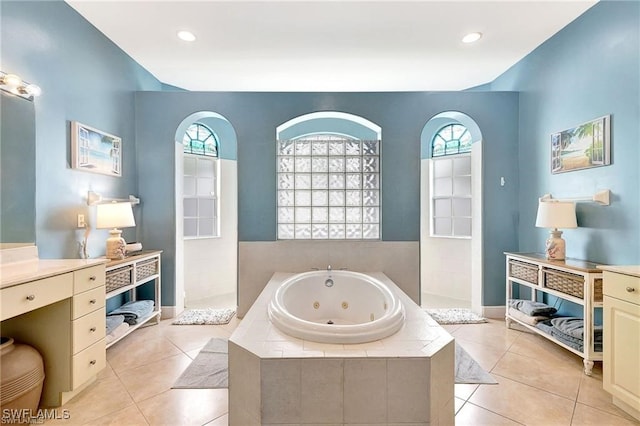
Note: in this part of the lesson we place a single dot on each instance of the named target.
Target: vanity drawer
(26, 297)
(88, 363)
(88, 329)
(88, 301)
(623, 287)
(88, 278)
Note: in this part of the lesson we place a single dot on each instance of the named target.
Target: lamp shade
(114, 215)
(556, 214)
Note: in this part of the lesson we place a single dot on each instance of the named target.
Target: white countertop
(15, 273)
(633, 270)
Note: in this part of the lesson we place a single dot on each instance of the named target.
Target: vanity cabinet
(621, 367)
(58, 307)
(574, 280)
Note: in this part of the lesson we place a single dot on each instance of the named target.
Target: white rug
(207, 316)
(455, 316)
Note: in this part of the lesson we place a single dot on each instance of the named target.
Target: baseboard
(170, 312)
(496, 312)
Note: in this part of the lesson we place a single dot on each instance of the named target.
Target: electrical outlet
(81, 222)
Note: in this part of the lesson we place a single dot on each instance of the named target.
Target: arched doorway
(450, 194)
(206, 212)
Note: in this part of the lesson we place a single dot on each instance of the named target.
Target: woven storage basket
(523, 271)
(564, 282)
(146, 269)
(597, 290)
(119, 278)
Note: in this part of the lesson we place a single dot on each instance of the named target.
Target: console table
(575, 280)
(126, 275)
(58, 307)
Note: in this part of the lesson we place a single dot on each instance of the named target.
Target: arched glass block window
(200, 140)
(450, 140)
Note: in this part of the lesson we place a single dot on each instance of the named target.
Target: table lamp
(113, 216)
(555, 214)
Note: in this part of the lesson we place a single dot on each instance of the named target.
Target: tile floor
(540, 384)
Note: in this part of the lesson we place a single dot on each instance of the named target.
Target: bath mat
(209, 369)
(207, 316)
(468, 371)
(455, 316)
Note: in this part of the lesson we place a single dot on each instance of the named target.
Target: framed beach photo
(582, 147)
(95, 151)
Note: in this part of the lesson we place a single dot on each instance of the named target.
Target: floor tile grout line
(496, 413)
(534, 387)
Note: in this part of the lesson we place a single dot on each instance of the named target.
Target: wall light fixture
(15, 85)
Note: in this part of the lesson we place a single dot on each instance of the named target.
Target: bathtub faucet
(329, 268)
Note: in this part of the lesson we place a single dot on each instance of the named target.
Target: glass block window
(451, 196)
(200, 196)
(450, 140)
(328, 188)
(199, 139)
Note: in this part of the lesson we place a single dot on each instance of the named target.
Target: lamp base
(555, 246)
(115, 245)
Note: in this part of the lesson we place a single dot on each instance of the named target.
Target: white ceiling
(326, 45)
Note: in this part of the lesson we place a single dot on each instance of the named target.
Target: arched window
(200, 140)
(450, 140)
(451, 182)
(328, 177)
(200, 189)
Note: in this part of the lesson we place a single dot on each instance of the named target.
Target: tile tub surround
(278, 379)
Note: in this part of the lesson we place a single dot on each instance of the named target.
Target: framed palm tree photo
(582, 147)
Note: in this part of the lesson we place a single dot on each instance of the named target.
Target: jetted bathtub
(336, 307)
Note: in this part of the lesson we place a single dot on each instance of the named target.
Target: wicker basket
(119, 278)
(523, 271)
(564, 282)
(146, 269)
(597, 290)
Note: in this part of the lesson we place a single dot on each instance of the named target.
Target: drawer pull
(92, 362)
(92, 278)
(31, 297)
(631, 289)
(92, 329)
(92, 301)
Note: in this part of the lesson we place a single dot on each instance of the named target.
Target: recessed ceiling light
(186, 36)
(471, 37)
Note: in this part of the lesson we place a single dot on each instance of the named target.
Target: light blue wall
(589, 69)
(255, 117)
(86, 78)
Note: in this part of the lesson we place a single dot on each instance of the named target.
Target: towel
(134, 310)
(527, 319)
(569, 340)
(574, 327)
(113, 321)
(115, 334)
(532, 308)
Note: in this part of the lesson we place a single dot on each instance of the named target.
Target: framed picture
(95, 151)
(582, 147)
